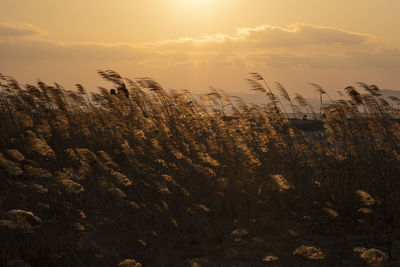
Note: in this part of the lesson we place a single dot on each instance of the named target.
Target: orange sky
(194, 44)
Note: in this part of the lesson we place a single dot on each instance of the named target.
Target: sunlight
(195, 3)
(198, 15)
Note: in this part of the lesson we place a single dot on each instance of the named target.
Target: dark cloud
(12, 30)
(301, 35)
(45, 50)
(378, 59)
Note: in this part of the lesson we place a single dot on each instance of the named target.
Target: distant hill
(388, 92)
(253, 98)
(257, 98)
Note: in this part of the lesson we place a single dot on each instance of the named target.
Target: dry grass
(166, 178)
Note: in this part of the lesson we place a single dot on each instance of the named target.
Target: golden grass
(161, 178)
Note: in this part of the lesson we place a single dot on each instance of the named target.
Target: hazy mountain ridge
(259, 99)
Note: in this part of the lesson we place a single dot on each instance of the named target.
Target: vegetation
(170, 179)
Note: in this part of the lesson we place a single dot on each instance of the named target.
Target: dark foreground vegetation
(169, 179)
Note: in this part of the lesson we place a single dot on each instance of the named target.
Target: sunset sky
(194, 44)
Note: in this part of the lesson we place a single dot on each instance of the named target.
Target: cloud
(300, 46)
(299, 35)
(10, 30)
(383, 58)
(272, 37)
(48, 50)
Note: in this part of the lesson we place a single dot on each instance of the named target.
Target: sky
(198, 44)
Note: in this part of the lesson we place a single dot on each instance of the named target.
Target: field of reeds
(146, 177)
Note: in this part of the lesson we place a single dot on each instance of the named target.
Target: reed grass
(157, 178)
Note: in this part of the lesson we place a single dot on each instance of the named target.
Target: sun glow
(198, 12)
(196, 3)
